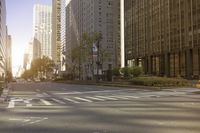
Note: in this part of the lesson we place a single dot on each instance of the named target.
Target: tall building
(28, 56)
(3, 38)
(36, 48)
(42, 24)
(56, 31)
(9, 54)
(163, 36)
(94, 16)
(63, 35)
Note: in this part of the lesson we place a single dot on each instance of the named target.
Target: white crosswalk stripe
(70, 100)
(45, 102)
(11, 104)
(94, 98)
(28, 104)
(131, 97)
(120, 97)
(58, 101)
(108, 98)
(83, 99)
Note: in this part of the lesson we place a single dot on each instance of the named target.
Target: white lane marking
(28, 104)
(15, 119)
(131, 97)
(120, 97)
(11, 104)
(83, 99)
(58, 101)
(45, 102)
(71, 100)
(94, 98)
(108, 98)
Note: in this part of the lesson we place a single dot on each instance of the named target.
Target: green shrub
(126, 72)
(159, 82)
(136, 71)
(116, 72)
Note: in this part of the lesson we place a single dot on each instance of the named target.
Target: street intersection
(60, 108)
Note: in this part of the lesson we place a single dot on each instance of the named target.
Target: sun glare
(17, 58)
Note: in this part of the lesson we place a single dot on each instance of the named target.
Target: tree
(28, 74)
(40, 67)
(88, 44)
(76, 61)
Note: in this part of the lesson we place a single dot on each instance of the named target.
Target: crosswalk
(50, 101)
(45, 99)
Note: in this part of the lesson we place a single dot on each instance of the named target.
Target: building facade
(9, 54)
(3, 38)
(63, 35)
(28, 56)
(56, 31)
(36, 48)
(163, 36)
(42, 28)
(94, 16)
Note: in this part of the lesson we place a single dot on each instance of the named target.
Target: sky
(19, 22)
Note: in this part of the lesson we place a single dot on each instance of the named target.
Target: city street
(60, 108)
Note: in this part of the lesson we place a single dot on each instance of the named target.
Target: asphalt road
(60, 108)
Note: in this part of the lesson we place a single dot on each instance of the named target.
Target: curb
(4, 94)
(120, 85)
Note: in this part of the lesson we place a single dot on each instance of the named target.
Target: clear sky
(20, 21)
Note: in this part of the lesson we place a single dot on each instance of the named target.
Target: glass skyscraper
(42, 28)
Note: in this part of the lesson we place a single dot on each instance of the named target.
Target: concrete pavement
(4, 94)
(61, 108)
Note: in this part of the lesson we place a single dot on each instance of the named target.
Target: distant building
(36, 48)
(163, 36)
(25, 64)
(28, 56)
(96, 16)
(3, 38)
(42, 28)
(56, 31)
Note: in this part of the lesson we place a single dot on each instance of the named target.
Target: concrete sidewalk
(4, 94)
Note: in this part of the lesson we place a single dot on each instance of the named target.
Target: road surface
(60, 108)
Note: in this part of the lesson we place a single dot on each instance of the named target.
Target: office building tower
(3, 38)
(9, 54)
(63, 35)
(94, 16)
(163, 36)
(56, 31)
(42, 28)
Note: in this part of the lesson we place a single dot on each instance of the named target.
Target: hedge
(160, 81)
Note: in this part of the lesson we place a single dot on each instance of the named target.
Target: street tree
(40, 67)
(91, 44)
